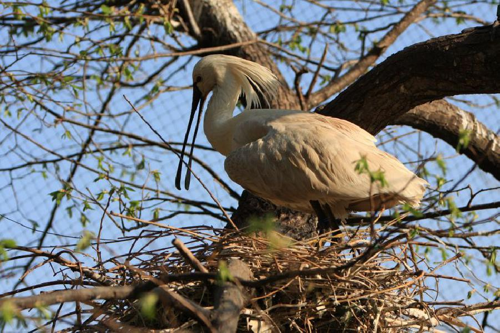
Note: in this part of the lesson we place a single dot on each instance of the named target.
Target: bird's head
(257, 82)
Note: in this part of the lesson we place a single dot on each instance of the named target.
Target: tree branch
(447, 122)
(62, 296)
(230, 298)
(185, 305)
(466, 63)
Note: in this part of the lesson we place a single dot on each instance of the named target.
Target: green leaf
(133, 208)
(84, 220)
(378, 176)
(444, 254)
(223, 275)
(44, 311)
(18, 13)
(8, 243)
(156, 213)
(338, 28)
(87, 206)
(440, 181)
(325, 79)
(8, 312)
(156, 175)
(147, 303)
(489, 269)
(169, 29)
(141, 164)
(126, 23)
(57, 196)
(66, 135)
(361, 165)
(127, 72)
(106, 10)
(264, 224)
(463, 139)
(100, 196)
(285, 8)
(426, 253)
(85, 241)
(441, 163)
(69, 210)
(452, 207)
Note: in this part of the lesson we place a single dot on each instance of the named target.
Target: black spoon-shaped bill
(197, 97)
(187, 180)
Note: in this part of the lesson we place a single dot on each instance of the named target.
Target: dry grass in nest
(351, 286)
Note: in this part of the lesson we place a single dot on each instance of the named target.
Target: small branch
(469, 309)
(185, 305)
(298, 89)
(362, 66)
(430, 215)
(74, 266)
(196, 235)
(316, 74)
(188, 256)
(195, 29)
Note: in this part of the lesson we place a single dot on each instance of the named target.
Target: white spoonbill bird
(300, 160)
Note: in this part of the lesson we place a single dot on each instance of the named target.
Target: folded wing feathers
(259, 83)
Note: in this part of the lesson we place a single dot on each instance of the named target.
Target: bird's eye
(197, 79)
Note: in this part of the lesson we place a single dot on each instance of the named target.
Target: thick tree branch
(448, 122)
(369, 59)
(63, 296)
(465, 63)
(231, 298)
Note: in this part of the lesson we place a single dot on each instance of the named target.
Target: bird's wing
(353, 131)
(302, 158)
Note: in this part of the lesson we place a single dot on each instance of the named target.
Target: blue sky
(25, 192)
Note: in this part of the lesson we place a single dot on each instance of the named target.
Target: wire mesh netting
(79, 166)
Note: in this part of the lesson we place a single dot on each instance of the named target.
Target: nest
(347, 285)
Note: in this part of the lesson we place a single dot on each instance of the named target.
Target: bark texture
(230, 298)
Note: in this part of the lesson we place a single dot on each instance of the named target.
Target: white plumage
(293, 158)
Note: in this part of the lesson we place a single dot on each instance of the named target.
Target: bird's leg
(326, 219)
(323, 221)
(334, 223)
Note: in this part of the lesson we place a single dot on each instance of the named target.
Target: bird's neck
(217, 124)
